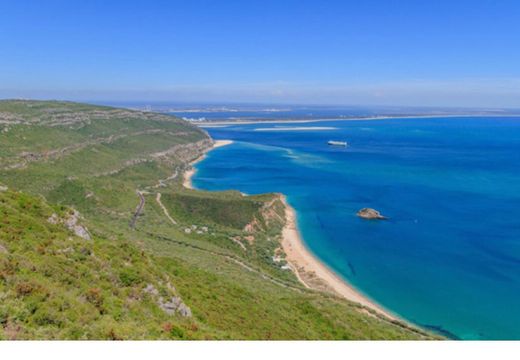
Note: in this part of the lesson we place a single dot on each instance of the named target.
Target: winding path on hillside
(138, 210)
(158, 199)
(229, 257)
(141, 193)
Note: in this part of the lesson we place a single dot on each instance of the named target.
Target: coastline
(301, 259)
(188, 174)
(210, 124)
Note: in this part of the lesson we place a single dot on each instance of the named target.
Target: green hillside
(99, 240)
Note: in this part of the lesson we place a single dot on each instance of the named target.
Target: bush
(176, 332)
(129, 277)
(95, 297)
(24, 288)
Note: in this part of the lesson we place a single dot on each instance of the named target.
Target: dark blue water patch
(449, 253)
(352, 269)
(441, 331)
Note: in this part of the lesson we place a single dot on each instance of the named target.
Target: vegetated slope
(104, 242)
(58, 285)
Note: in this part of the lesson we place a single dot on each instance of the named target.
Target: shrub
(176, 332)
(129, 277)
(95, 297)
(24, 288)
(47, 316)
(167, 327)
(112, 335)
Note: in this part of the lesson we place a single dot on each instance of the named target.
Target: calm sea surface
(449, 256)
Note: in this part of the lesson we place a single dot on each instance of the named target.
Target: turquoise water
(449, 256)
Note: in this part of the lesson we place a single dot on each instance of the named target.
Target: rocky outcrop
(150, 289)
(171, 306)
(71, 222)
(175, 305)
(370, 214)
(268, 214)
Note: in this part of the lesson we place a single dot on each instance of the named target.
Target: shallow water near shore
(447, 259)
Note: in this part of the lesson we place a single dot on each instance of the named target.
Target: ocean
(448, 257)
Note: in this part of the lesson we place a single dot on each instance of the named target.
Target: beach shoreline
(218, 123)
(188, 174)
(299, 257)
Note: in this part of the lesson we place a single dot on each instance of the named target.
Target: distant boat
(337, 143)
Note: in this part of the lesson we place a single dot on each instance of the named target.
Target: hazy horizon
(176, 105)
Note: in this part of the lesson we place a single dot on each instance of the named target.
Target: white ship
(337, 143)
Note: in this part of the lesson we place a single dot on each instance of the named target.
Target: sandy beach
(189, 173)
(223, 123)
(302, 260)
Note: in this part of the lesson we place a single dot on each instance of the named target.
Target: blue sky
(445, 53)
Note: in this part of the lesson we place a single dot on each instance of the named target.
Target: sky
(407, 52)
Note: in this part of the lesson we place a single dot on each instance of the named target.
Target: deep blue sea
(447, 259)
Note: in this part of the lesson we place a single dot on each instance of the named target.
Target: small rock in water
(371, 214)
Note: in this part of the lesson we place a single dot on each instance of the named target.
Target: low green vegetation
(195, 265)
(56, 285)
(228, 209)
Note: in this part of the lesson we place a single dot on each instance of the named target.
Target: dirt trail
(229, 257)
(162, 182)
(158, 199)
(138, 210)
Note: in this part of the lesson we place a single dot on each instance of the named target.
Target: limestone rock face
(175, 305)
(370, 214)
(71, 222)
(150, 289)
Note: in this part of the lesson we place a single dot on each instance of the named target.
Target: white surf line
(297, 128)
(158, 199)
